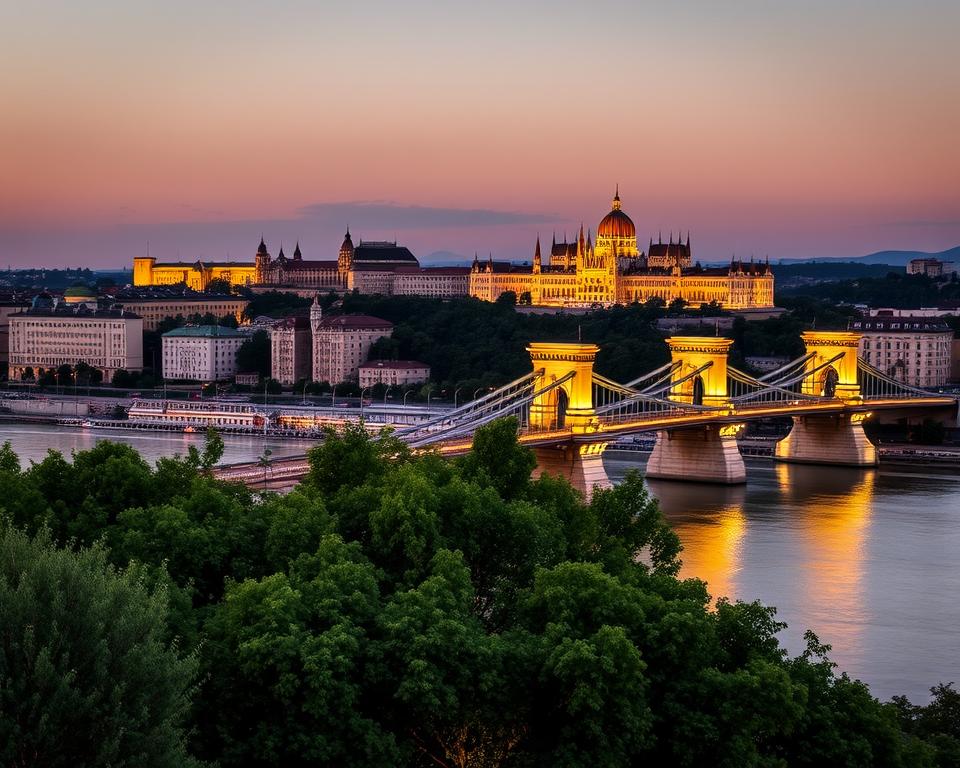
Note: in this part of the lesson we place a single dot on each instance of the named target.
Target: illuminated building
(614, 271)
(197, 275)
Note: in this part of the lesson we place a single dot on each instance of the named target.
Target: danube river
(870, 560)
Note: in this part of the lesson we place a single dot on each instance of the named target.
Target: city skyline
(808, 131)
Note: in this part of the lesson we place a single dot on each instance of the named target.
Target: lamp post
(333, 396)
(361, 401)
(455, 393)
(386, 392)
(305, 383)
(429, 393)
(476, 392)
(405, 396)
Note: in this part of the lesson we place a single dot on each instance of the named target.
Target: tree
(87, 676)
(219, 285)
(254, 354)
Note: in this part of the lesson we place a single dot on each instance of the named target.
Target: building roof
(395, 364)
(616, 224)
(901, 325)
(171, 293)
(354, 322)
(205, 331)
(82, 311)
(80, 291)
(295, 264)
(373, 251)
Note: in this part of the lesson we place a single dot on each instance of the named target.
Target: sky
(186, 129)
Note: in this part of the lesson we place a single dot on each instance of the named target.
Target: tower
(261, 262)
(345, 258)
(316, 313)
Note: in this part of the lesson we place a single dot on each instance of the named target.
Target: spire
(280, 255)
(536, 253)
(262, 248)
(536, 258)
(616, 199)
(660, 237)
(688, 239)
(296, 252)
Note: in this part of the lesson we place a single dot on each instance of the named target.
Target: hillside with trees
(396, 610)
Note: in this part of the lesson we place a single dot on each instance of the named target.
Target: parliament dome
(616, 224)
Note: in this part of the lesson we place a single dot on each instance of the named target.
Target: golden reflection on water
(710, 522)
(822, 511)
(834, 506)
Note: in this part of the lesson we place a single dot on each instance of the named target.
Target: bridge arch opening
(698, 390)
(828, 382)
(562, 402)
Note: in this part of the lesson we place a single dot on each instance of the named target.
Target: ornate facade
(196, 275)
(614, 271)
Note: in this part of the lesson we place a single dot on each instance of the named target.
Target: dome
(42, 300)
(262, 248)
(616, 224)
(79, 294)
(347, 242)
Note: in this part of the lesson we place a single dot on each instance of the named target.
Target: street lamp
(476, 392)
(405, 396)
(455, 393)
(361, 400)
(333, 396)
(429, 392)
(305, 383)
(386, 392)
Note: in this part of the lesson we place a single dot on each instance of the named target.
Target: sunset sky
(788, 129)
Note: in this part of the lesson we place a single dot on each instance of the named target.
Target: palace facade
(615, 271)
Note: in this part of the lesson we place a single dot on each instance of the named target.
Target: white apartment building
(201, 353)
(914, 350)
(290, 350)
(393, 372)
(48, 336)
(342, 343)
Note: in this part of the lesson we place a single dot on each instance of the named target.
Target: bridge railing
(875, 384)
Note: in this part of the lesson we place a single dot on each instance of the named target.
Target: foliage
(254, 354)
(86, 676)
(408, 610)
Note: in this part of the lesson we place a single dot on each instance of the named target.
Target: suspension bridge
(696, 404)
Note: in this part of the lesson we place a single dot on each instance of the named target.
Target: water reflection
(832, 508)
(711, 524)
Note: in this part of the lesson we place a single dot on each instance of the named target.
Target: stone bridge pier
(836, 439)
(707, 454)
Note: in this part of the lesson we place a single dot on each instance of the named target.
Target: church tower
(261, 263)
(345, 259)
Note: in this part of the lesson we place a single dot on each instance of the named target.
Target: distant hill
(446, 259)
(804, 273)
(894, 258)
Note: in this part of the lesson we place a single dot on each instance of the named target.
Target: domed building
(80, 294)
(615, 271)
(616, 232)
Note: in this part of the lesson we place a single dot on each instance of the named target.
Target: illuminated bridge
(696, 405)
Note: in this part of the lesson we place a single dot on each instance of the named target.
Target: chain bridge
(696, 405)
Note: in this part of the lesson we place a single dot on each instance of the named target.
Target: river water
(868, 559)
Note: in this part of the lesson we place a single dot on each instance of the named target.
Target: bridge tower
(837, 439)
(705, 453)
(831, 379)
(567, 407)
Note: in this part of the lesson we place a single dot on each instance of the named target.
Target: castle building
(614, 271)
(196, 275)
(341, 344)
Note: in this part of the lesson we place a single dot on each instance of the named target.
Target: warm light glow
(554, 361)
(693, 352)
(826, 345)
